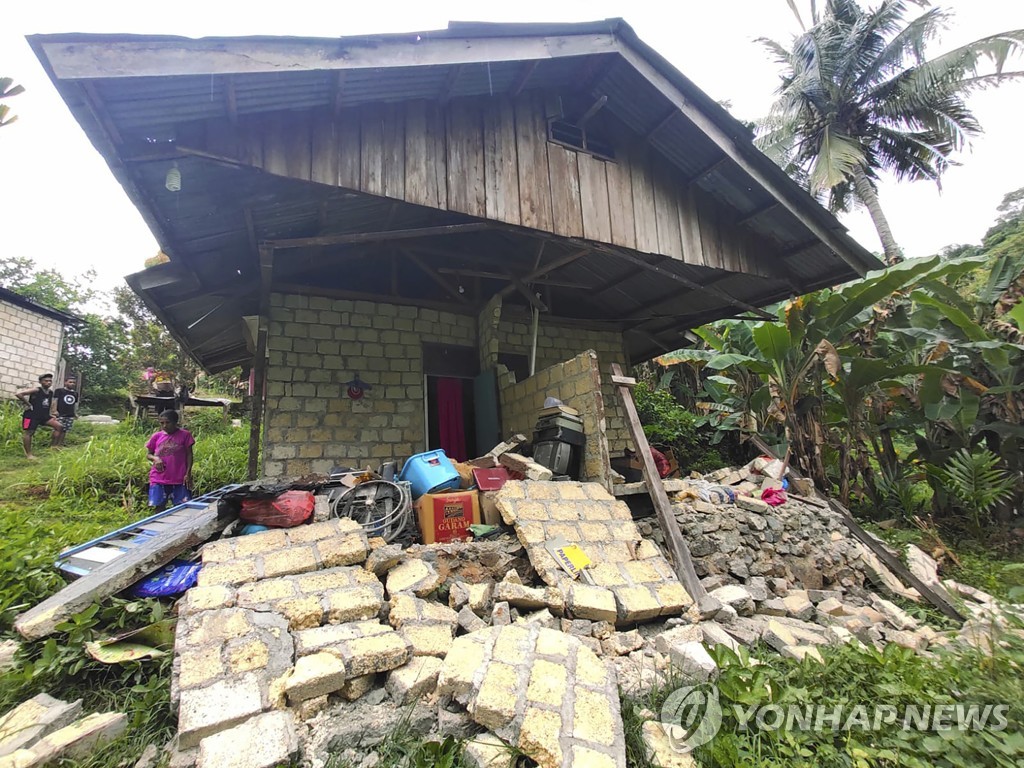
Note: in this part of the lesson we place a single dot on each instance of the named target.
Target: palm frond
(838, 155)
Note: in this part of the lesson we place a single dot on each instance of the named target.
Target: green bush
(667, 424)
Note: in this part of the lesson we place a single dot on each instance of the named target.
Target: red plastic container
(490, 479)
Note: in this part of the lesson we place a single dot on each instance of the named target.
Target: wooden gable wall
(490, 158)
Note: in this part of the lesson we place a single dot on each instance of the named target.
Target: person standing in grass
(39, 400)
(64, 408)
(170, 453)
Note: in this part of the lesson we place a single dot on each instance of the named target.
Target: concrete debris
(662, 749)
(31, 720)
(292, 647)
(75, 740)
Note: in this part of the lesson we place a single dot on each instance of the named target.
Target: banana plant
(8, 89)
(815, 367)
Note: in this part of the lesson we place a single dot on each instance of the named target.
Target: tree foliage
(7, 90)
(860, 96)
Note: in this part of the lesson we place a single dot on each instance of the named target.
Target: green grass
(856, 675)
(96, 484)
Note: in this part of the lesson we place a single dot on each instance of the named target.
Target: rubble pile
(44, 729)
(316, 642)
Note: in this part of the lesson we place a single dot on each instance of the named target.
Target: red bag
(285, 510)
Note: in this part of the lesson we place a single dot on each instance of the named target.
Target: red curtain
(451, 427)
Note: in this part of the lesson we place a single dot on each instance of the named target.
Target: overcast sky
(61, 206)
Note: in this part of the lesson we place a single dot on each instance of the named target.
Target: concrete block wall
(316, 345)
(30, 344)
(555, 344)
(577, 383)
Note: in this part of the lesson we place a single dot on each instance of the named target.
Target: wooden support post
(260, 363)
(891, 561)
(673, 538)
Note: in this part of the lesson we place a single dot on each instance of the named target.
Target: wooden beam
(527, 294)
(379, 298)
(504, 276)
(779, 186)
(672, 113)
(75, 60)
(266, 259)
(617, 281)
(666, 517)
(707, 170)
(731, 300)
(522, 78)
(119, 573)
(375, 237)
(757, 212)
(436, 278)
(548, 268)
(673, 296)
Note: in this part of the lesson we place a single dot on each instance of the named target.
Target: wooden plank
(371, 151)
(274, 143)
(532, 163)
(393, 177)
(709, 235)
(465, 158)
(325, 158)
(349, 149)
(250, 144)
(644, 216)
(444, 285)
(118, 574)
(375, 237)
(666, 517)
(298, 143)
(566, 205)
(418, 176)
(437, 154)
(620, 202)
(689, 229)
(666, 207)
(164, 58)
(597, 220)
(624, 381)
(501, 178)
(889, 558)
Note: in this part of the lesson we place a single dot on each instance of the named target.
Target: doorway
(456, 407)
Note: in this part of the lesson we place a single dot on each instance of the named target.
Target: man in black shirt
(38, 399)
(64, 409)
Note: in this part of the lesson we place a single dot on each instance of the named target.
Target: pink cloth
(773, 496)
(170, 448)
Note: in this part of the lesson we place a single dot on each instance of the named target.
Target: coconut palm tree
(859, 96)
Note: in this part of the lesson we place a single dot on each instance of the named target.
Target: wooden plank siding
(490, 158)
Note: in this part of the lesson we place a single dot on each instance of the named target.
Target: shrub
(667, 424)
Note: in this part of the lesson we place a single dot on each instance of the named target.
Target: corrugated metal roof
(204, 227)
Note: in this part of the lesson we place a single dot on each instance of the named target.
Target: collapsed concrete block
(772, 607)
(315, 675)
(217, 707)
(714, 634)
(264, 741)
(383, 559)
(488, 751)
(501, 615)
(416, 576)
(798, 606)
(663, 751)
(416, 679)
(595, 603)
(469, 621)
(688, 633)
(76, 740)
(735, 596)
(31, 720)
(693, 661)
(753, 505)
(622, 643)
(894, 615)
(820, 595)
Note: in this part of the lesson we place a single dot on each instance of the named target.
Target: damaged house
(411, 239)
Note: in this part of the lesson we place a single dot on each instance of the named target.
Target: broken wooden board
(666, 517)
(120, 573)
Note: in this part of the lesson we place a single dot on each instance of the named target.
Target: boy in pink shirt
(170, 453)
